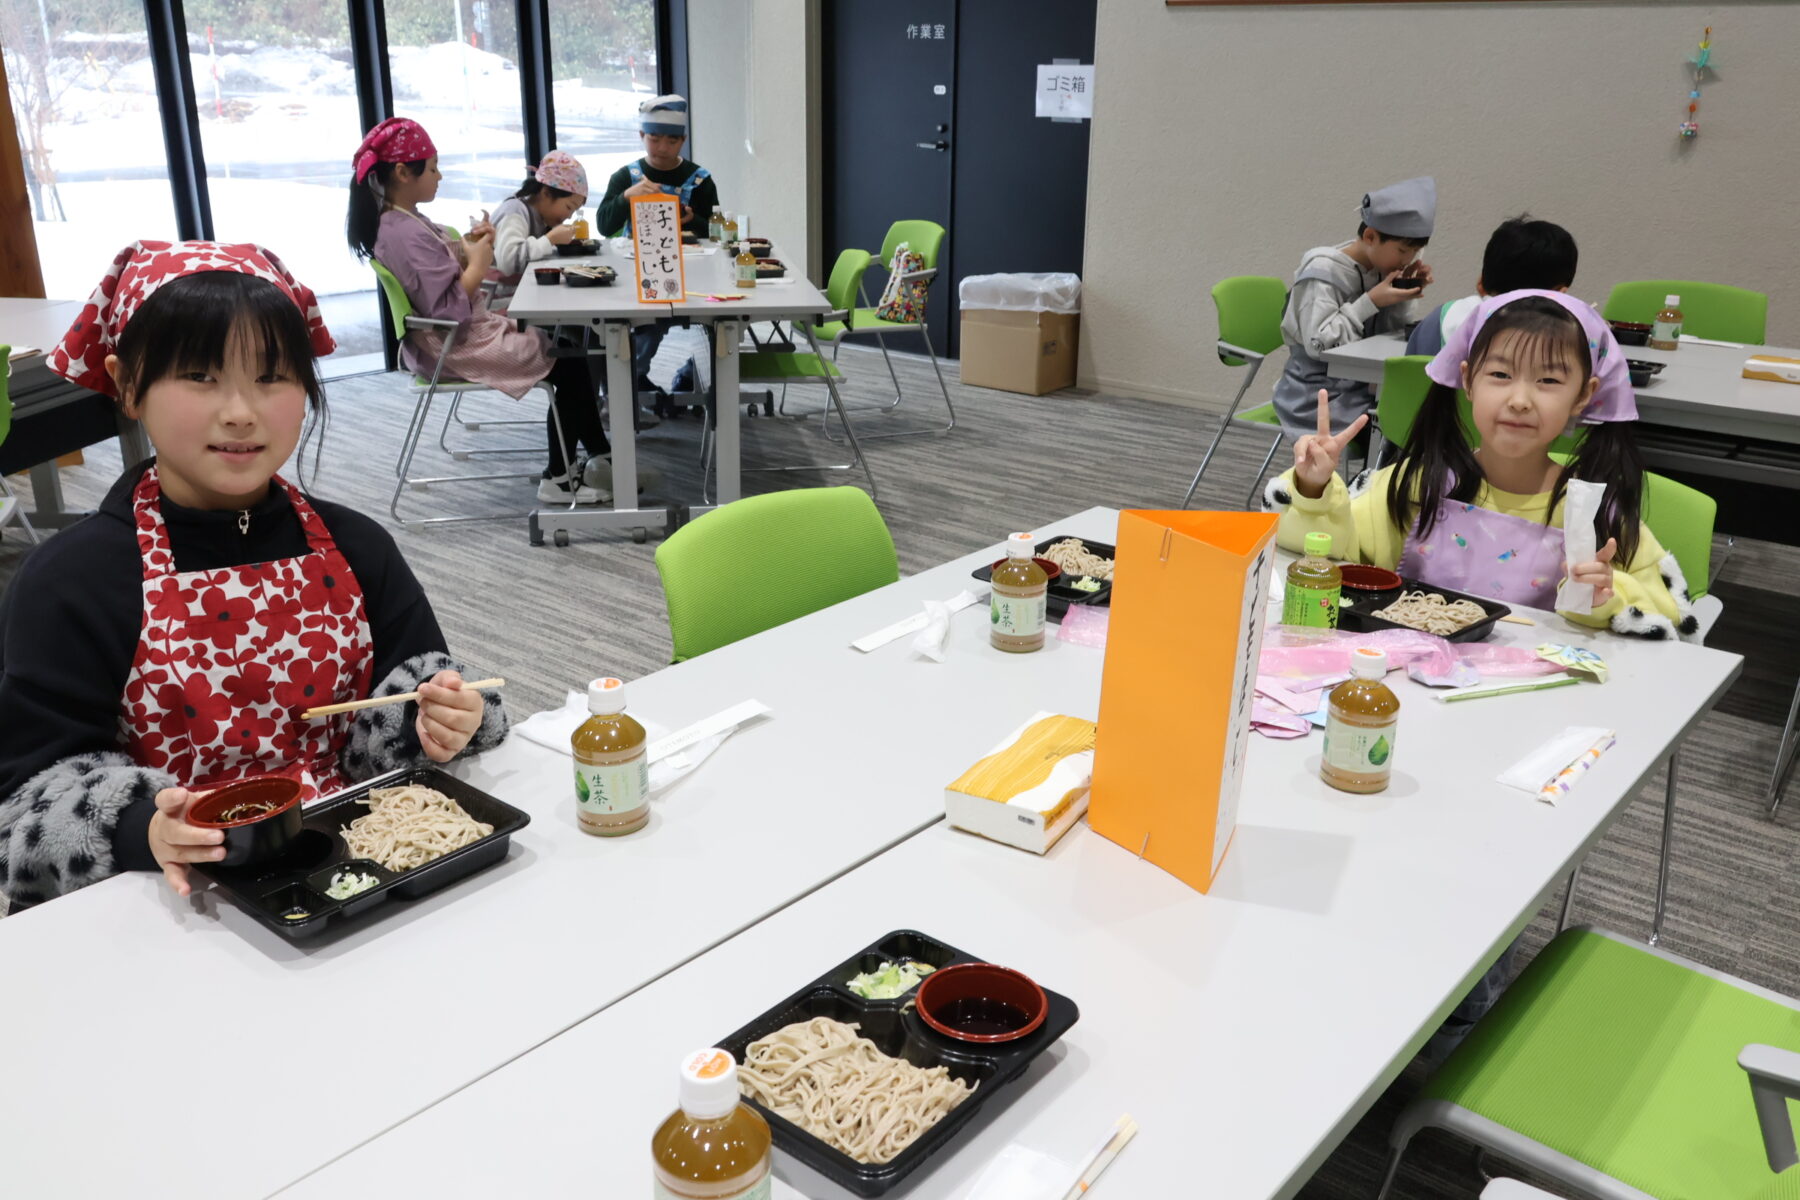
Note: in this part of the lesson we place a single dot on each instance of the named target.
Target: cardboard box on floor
(1188, 601)
(1028, 352)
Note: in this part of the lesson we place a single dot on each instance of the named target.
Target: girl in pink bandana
(172, 640)
(529, 224)
(1487, 519)
(395, 171)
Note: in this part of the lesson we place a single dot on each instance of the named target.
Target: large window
(276, 96)
(281, 100)
(603, 58)
(455, 66)
(84, 100)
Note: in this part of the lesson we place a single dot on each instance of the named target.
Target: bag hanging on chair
(903, 301)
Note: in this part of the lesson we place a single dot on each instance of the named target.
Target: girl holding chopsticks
(174, 640)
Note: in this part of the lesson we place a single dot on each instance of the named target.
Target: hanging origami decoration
(1700, 61)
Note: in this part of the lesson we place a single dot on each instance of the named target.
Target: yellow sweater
(1362, 532)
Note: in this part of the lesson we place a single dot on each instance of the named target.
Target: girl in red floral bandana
(169, 644)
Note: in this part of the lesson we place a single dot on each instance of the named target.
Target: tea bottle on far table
(1360, 718)
(612, 765)
(1017, 610)
(1315, 586)
(713, 1147)
(728, 229)
(1665, 334)
(715, 226)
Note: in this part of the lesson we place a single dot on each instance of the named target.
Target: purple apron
(1485, 553)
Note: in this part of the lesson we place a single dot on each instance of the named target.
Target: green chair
(926, 239)
(1403, 387)
(1710, 310)
(841, 291)
(1250, 308)
(9, 503)
(766, 560)
(1619, 1071)
(1682, 519)
(400, 311)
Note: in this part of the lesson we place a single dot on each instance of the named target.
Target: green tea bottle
(714, 1146)
(1314, 586)
(612, 765)
(1017, 610)
(1360, 717)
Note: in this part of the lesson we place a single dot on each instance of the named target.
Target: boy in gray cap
(1344, 293)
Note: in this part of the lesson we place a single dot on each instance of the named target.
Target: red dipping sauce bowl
(1365, 578)
(981, 1002)
(260, 836)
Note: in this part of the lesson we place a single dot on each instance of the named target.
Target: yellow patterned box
(1031, 788)
(1772, 367)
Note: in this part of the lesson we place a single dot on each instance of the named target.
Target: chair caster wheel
(560, 537)
(640, 535)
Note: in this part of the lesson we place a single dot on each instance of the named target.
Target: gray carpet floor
(547, 617)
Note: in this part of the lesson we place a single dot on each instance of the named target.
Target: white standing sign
(656, 240)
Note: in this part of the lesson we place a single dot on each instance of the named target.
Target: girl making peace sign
(1488, 520)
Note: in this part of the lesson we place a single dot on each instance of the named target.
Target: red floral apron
(229, 659)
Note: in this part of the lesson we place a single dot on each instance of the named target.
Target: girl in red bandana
(171, 641)
(394, 171)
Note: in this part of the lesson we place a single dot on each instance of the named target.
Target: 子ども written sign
(656, 239)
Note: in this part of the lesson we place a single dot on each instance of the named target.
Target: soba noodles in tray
(828, 1079)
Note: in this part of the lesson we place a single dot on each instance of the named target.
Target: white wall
(748, 66)
(1247, 134)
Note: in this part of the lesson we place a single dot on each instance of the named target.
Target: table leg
(134, 443)
(621, 409)
(1668, 832)
(624, 515)
(727, 462)
(47, 498)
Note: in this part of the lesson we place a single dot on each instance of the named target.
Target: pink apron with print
(1486, 553)
(229, 659)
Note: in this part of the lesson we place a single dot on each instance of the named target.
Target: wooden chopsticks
(329, 710)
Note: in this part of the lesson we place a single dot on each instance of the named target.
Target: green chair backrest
(846, 278)
(1403, 387)
(765, 560)
(1682, 518)
(5, 391)
(924, 238)
(1710, 310)
(399, 307)
(1250, 308)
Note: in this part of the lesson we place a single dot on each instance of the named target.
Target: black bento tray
(1059, 596)
(898, 1031)
(1360, 618)
(299, 878)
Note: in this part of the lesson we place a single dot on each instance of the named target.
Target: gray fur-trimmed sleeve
(56, 831)
(387, 738)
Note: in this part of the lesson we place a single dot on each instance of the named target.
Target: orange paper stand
(1190, 591)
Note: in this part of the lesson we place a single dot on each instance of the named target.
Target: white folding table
(40, 397)
(221, 1060)
(1247, 1030)
(613, 312)
(1709, 418)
